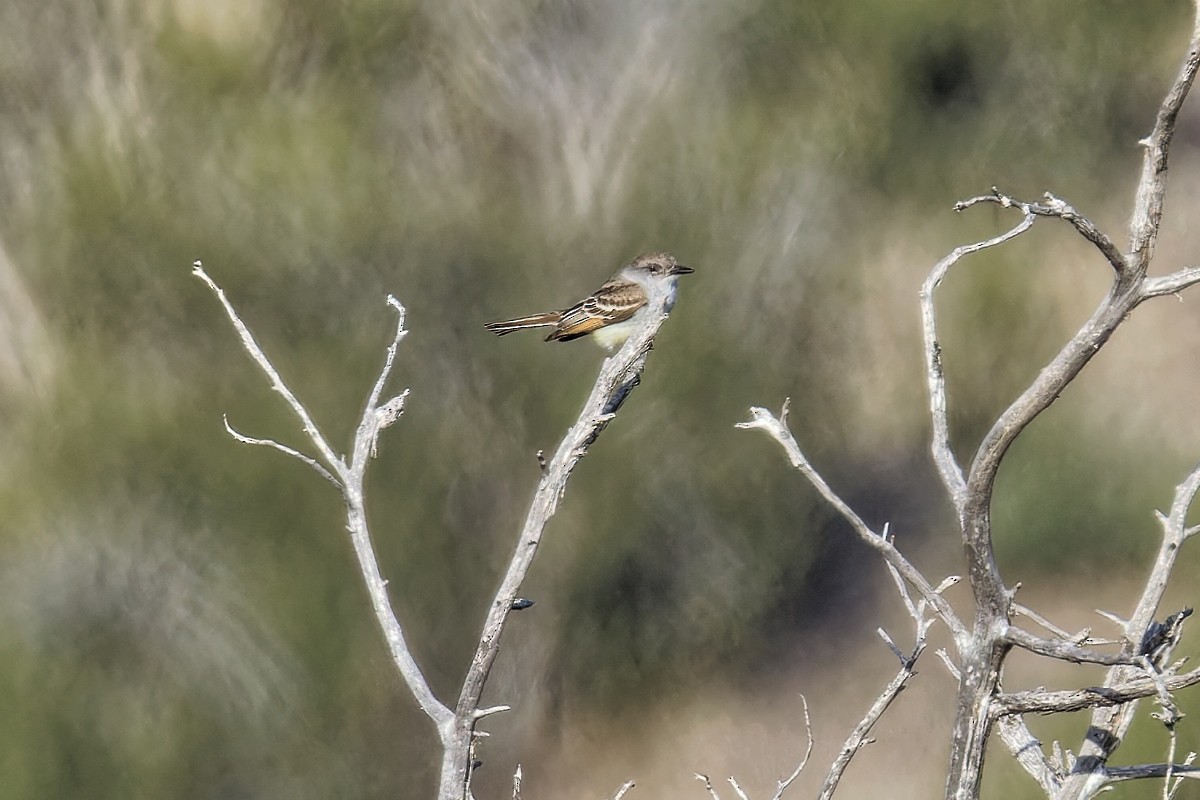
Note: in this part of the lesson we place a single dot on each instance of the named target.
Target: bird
(615, 310)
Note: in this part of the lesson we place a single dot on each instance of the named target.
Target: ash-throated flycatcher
(614, 311)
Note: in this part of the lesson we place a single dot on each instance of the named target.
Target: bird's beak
(680, 269)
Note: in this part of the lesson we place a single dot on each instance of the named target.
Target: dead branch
(618, 375)
(456, 728)
(348, 477)
(943, 454)
(777, 429)
(1111, 722)
(858, 738)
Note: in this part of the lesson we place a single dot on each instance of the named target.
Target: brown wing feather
(615, 301)
(521, 323)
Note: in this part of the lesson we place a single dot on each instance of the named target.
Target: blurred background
(181, 616)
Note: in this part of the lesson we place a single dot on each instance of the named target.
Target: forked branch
(456, 727)
(348, 478)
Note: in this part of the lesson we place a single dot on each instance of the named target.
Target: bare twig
(283, 448)
(349, 479)
(951, 667)
(763, 419)
(786, 782)
(708, 785)
(1081, 637)
(858, 737)
(480, 713)
(1056, 207)
(331, 459)
(782, 784)
(1173, 769)
(741, 793)
(625, 787)
(1152, 186)
(1170, 713)
(1170, 762)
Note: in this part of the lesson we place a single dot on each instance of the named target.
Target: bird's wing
(615, 301)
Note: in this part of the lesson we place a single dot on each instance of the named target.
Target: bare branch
(1170, 713)
(376, 418)
(480, 713)
(283, 448)
(943, 452)
(917, 613)
(1172, 769)
(780, 785)
(1082, 636)
(951, 667)
(858, 737)
(1056, 207)
(1115, 619)
(982, 659)
(738, 789)
(1027, 751)
(786, 782)
(618, 375)
(891, 645)
(1139, 771)
(1171, 284)
(981, 654)
(1065, 650)
(1175, 533)
(1041, 701)
(625, 787)
(349, 480)
(251, 346)
(986, 583)
(1111, 722)
(390, 360)
(763, 419)
(708, 785)
(1170, 762)
(1152, 187)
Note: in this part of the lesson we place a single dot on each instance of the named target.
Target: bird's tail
(521, 323)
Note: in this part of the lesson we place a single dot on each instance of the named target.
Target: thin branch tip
(624, 788)
(480, 713)
(947, 582)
